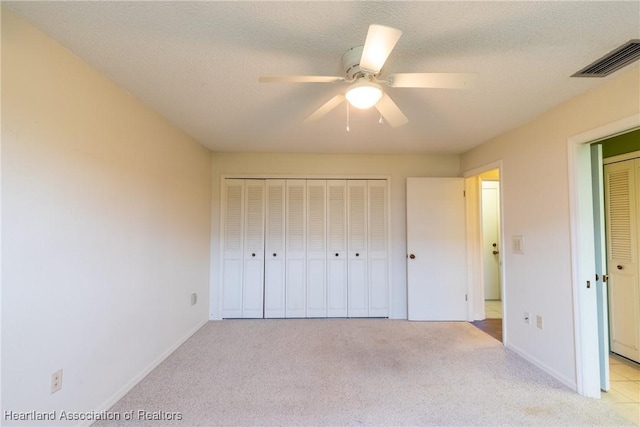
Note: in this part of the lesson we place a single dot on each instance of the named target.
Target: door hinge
(465, 297)
(605, 278)
(464, 193)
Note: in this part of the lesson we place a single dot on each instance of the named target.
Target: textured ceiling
(198, 63)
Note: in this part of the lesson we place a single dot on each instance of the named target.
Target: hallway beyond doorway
(493, 309)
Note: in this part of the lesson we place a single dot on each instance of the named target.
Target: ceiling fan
(362, 65)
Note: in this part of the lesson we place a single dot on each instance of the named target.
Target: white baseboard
(135, 380)
(569, 382)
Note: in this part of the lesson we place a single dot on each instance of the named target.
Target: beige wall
(106, 224)
(535, 191)
(396, 167)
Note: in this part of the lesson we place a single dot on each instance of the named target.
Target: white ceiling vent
(614, 60)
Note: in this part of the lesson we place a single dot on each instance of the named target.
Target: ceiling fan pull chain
(348, 130)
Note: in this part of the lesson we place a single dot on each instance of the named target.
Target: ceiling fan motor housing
(351, 63)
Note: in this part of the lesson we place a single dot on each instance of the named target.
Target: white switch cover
(518, 245)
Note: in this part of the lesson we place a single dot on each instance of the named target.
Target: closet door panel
(316, 248)
(232, 289)
(295, 238)
(377, 238)
(274, 285)
(337, 248)
(622, 258)
(232, 250)
(253, 283)
(358, 292)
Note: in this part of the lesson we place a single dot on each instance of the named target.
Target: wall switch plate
(527, 318)
(517, 245)
(56, 381)
(194, 298)
(539, 322)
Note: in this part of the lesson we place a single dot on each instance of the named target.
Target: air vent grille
(613, 61)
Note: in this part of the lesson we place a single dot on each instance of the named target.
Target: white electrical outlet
(56, 381)
(527, 318)
(539, 322)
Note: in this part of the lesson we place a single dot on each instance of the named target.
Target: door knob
(337, 254)
(496, 252)
(253, 254)
(619, 267)
(274, 254)
(357, 254)
(412, 256)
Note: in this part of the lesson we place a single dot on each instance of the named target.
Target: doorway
(484, 228)
(491, 256)
(490, 241)
(622, 184)
(614, 165)
(589, 362)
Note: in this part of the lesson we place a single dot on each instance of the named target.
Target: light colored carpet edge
(353, 372)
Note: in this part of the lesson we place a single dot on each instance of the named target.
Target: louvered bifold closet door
(337, 248)
(378, 232)
(316, 248)
(358, 292)
(622, 254)
(274, 275)
(232, 250)
(253, 283)
(295, 238)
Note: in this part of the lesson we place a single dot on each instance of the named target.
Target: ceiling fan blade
(300, 79)
(391, 112)
(379, 43)
(328, 106)
(433, 80)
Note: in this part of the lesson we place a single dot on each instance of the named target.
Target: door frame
(585, 313)
(475, 278)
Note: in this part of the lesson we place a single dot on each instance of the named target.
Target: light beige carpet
(353, 372)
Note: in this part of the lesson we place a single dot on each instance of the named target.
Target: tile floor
(625, 388)
(493, 309)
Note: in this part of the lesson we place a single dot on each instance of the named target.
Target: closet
(622, 203)
(295, 248)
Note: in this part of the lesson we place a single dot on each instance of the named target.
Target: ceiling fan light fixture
(364, 94)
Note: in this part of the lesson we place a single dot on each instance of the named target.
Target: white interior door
(491, 239)
(253, 270)
(600, 249)
(274, 269)
(621, 200)
(358, 292)
(337, 248)
(316, 248)
(296, 221)
(436, 247)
